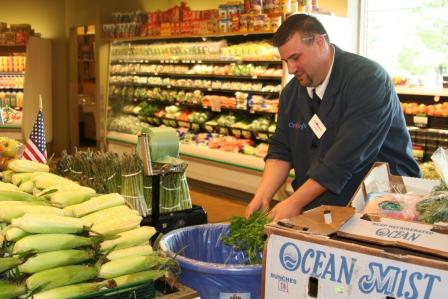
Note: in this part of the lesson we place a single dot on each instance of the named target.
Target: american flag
(36, 148)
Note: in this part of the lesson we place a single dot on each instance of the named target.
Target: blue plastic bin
(210, 267)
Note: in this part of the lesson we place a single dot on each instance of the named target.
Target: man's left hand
(285, 209)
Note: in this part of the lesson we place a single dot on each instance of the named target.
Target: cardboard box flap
(314, 221)
(398, 233)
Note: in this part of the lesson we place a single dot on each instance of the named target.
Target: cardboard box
(299, 265)
(354, 256)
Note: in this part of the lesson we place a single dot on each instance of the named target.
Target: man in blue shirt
(337, 116)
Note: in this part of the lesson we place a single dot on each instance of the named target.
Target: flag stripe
(34, 152)
(43, 156)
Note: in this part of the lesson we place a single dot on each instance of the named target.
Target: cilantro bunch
(247, 235)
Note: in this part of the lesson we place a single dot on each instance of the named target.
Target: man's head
(303, 44)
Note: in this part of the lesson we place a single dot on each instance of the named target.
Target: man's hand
(285, 209)
(274, 175)
(256, 204)
(293, 205)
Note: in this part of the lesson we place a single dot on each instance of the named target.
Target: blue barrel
(210, 267)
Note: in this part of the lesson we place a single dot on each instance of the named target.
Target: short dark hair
(305, 24)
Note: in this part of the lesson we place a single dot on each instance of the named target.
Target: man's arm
(293, 205)
(274, 175)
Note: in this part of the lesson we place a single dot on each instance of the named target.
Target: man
(337, 116)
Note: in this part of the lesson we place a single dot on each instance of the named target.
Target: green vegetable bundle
(247, 235)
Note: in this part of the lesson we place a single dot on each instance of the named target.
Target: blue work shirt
(364, 124)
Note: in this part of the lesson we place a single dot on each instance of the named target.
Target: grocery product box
(339, 252)
(379, 179)
(306, 258)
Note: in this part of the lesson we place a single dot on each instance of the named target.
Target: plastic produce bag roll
(163, 142)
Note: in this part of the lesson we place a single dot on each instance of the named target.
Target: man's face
(303, 58)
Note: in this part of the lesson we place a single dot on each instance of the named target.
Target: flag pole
(40, 102)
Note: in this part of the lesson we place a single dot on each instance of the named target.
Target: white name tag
(317, 126)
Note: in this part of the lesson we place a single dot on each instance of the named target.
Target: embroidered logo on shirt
(297, 125)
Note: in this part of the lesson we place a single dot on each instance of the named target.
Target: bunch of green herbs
(247, 235)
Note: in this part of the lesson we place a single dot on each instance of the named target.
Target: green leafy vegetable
(247, 235)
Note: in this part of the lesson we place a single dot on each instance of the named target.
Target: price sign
(183, 124)
(247, 134)
(236, 133)
(224, 131)
(215, 104)
(420, 121)
(262, 136)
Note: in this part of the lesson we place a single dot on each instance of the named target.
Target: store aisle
(220, 205)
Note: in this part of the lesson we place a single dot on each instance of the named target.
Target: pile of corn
(62, 240)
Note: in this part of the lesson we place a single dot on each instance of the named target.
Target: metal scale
(165, 222)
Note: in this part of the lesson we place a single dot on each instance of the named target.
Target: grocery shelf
(11, 88)
(11, 126)
(268, 78)
(183, 61)
(13, 131)
(6, 49)
(201, 36)
(422, 91)
(198, 88)
(12, 73)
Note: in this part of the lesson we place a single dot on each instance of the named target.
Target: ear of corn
(7, 176)
(47, 180)
(131, 264)
(128, 239)
(60, 276)
(18, 178)
(8, 186)
(27, 187)
(64, 187)
(139, 277)
(98, 203)
(27, 166)
(131, 251)
(50, 242)
(63, 199)
(14, 234)
(11, 290)
(13, 203)
(48, 224)
(7, 215)
(53, 259)
(14, 195)
(7, 263)
(109, 213)
(68, 211)
(74, 290)
(117, 225)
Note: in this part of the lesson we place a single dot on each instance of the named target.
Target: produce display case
(194, 91)
(25, 73)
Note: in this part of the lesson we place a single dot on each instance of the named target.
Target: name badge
(317, 126)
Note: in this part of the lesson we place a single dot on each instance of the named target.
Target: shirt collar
(320, 90)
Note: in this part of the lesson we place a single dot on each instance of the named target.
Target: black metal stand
(169, 221)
